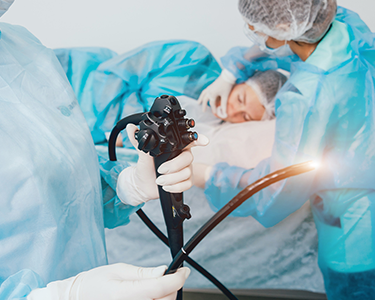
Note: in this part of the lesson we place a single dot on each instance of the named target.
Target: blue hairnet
(266, 85)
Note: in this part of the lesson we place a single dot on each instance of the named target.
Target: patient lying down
(253, 100)
(242, 144)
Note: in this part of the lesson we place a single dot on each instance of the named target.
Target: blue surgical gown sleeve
(110, 87)
(115, 212)
(242, 62)
(20, 285)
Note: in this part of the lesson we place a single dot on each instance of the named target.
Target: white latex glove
(115, 282)
(220, 88)
(201, 173)
(138, 184)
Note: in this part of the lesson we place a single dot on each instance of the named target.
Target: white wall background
(122, 25)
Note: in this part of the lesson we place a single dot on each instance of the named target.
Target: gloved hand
(220, 88)
(136, 185)
(118, 281)
(201, 173)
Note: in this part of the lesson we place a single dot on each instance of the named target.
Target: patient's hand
(201, 173)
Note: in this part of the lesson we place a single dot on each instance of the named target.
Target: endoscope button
(167, 109)
(147, 140)
(163, 145)
(189, 137)
(181, 113)
(191, 123)
(185, 211)
(173, 100)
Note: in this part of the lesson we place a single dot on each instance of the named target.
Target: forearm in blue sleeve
(226, 182)
(223, 185)
(115, 212)
(242, 62)
(19, 285)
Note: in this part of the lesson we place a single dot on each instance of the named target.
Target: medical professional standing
(56, 197)
(325, 112)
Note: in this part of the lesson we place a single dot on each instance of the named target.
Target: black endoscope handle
(175, 232)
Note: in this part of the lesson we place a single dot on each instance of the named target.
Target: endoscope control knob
(186, 123)
(189, 137)
(147, 140)
(163, 145)
(180, 113)
(184, 212)
(167, 109)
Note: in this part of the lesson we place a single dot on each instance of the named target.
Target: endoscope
(164, 133)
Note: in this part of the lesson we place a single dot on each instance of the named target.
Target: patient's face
(243, 105)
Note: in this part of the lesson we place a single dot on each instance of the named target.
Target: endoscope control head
(164, 129)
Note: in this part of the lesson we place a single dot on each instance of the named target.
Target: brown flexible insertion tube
(236, 202)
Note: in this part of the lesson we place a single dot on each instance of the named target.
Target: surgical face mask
(280, 52)
(260, 40)
(4, 6)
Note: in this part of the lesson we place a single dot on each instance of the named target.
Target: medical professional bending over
(55, 198)
(325, 112)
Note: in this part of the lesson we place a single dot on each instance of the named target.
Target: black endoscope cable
(245, 194)
(188, 259)
(121, 125)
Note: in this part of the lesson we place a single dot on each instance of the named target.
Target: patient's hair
(266, 85)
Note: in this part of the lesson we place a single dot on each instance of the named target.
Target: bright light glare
(315, 164)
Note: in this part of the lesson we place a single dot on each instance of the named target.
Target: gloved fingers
(201, 141)
(177, 164)
(221, 111)
(213, 106)
(184, 159)
(130, 272)
(205, 98)
(205, 103)
(202, 97)
(131, 129)
(174, 178)
(162, 286)
(179, 187)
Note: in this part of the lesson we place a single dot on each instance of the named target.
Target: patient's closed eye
(240, 99)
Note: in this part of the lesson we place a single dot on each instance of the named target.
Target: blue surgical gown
(110, 86)
(325, 112)
(56, 196)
